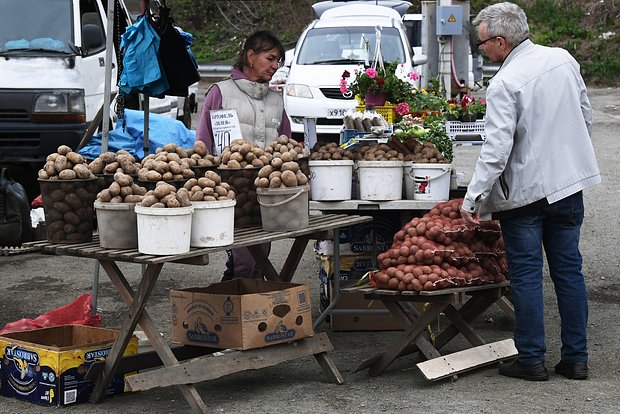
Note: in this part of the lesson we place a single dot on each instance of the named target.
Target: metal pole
(107, 86)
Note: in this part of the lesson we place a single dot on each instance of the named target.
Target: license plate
(336, 113)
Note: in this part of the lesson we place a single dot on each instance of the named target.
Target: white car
(330, 45)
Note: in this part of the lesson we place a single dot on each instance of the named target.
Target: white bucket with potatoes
(117, 225)
(330, 180)
(164, 231)
(284, 208)
(380, 180)
(213, 223)
(427, 181)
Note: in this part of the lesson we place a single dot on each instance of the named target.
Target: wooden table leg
(466, 314)
(390, 354)
(290, 265)
(159, 345)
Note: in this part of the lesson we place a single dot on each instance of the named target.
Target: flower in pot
(452, 110)
(480, 108)
(376, 85)
(468, 110)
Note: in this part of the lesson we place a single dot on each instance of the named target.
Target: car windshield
(346, 45)
(35, 26)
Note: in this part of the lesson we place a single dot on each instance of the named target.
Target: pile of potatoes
(122, 190)
(285, 145)
(112, 162)
(380, 152)
(209, 188)
(247, 209)
(280, 174)
(199, 156)
(166, 196)
(65, 164)
(168, 163)
(244, 154)
(331, 151)
(424, 153)
(68, 208)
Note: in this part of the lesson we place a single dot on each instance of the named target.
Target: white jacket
(537, 128)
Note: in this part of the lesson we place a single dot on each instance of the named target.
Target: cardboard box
(47, 366)
(241, 314)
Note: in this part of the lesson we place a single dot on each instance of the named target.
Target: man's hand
(471, 219)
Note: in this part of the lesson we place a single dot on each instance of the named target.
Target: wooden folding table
(473, 299)
(202, 365)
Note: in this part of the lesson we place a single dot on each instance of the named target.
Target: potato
(291, 166)
(173, 203)
(114, 189)
(162, 189)
(75, 158)
(73, 201)
(133, 198)
(288, 178)
(167, 176)
(265, 171)
(122, 179)
(61, 163)
(275, 182)
(153, 176)
(200, 148)
(301, 178)
(82, 171)
(67, 175)
(42, 174)
(125, 191)
(149, 200)
(233, 164)
(213, 176)
(183, 197)
(64, 150)
(111, 168)
(104, 196)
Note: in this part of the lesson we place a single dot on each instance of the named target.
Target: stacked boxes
(356, 259)
(47, 366)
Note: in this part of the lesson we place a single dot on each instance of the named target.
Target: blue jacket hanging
(142, 71)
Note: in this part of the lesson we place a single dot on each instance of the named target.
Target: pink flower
(343, 86)
(372, 73)
(413, 75)
(402, 108)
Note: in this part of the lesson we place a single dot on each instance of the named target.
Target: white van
(52, 72)
(327, 47)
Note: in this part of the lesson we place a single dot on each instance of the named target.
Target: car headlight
(60, 106)
(298, 91)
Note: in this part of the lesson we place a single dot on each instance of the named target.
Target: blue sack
(142, 71)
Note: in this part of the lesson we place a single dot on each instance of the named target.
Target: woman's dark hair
(260, 41)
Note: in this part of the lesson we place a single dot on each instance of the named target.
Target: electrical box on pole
(449, 20)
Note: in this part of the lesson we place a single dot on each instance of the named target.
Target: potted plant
(480, 108)
(468, 110)
(376, 85)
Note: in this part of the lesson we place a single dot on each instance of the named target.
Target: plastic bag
(15, 225)
(77, 312)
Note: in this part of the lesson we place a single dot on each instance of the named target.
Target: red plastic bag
(77, 312)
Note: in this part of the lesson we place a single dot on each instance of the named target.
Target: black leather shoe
(515, 369)
(577, 370)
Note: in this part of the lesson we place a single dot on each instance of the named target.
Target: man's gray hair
(506, 20)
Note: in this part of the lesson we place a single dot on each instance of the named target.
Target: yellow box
(47, 366)
(386, 111)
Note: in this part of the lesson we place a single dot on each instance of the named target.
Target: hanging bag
(179, 68)
(15, 224)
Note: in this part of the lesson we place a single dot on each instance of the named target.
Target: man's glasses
(481, 42)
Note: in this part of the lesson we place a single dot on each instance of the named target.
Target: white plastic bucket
(164, 231)
(284, 208)
(117, 225)
(213, 223)
(380, 180)
(330, 180)
(430, 181)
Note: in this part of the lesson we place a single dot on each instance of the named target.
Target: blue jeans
(555, 227)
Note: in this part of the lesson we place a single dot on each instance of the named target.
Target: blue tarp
(162, 130)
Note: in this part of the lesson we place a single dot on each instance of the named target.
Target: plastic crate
(467, 130)
(386, 111)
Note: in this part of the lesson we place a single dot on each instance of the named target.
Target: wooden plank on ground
(212, 367)
(466, 360)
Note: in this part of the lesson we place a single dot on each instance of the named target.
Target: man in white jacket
(533, 166)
